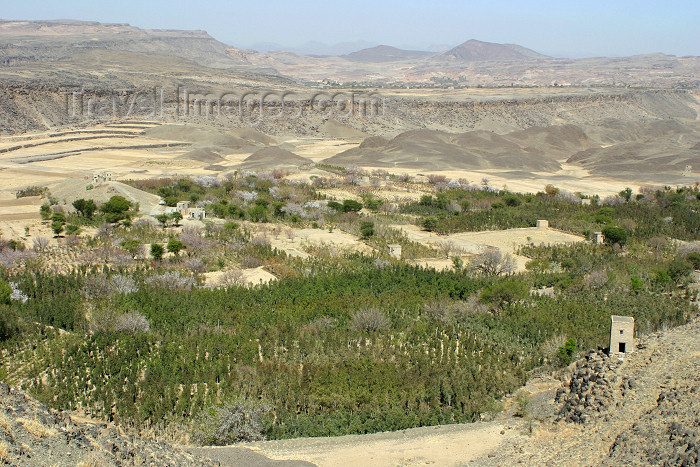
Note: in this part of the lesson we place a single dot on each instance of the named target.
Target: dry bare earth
(470, 243)
(274, 157)
(644, 152)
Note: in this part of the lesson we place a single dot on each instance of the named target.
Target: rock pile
(593, 387)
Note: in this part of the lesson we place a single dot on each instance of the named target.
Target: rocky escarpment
(32, 434)
(642, 410)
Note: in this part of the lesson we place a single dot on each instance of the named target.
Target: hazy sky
(560, 28)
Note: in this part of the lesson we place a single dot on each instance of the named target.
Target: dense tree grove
(297, 346)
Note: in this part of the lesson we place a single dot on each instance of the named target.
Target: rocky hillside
(644, 410)
(32, 434)
(41, 41)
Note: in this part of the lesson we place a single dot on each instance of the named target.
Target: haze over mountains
(469, 64)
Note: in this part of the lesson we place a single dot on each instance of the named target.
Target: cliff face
(44, 41)
(41, 105)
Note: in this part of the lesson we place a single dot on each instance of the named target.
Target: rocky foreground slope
(644, 410)
(32, 434)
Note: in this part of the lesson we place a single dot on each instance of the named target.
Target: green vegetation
(674, 213)
(341, 342)
(157, 251)
(566, 351)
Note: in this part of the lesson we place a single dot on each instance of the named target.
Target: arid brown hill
(437, 150)
(476, 51)
(385, 53)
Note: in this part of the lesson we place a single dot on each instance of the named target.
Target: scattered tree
(504, 293)
(163, 219)
(615, 235)
(174, 246)
(57, 227)
(157, 251)
(176, 217)
(366, 229)
(492, 262)
(85, 208)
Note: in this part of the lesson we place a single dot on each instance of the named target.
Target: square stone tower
(394, 250)
(621, 335)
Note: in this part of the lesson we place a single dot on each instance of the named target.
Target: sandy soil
(334, 242)
(471, 243)
(450, 445)
(253, 276)
(571, 178)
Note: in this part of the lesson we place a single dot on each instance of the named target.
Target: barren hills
(664, 151)
(477, 51)
(471, 63)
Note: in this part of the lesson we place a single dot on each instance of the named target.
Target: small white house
(196, 213)
(598, 238)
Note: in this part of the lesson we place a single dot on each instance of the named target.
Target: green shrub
(350, 205)
(694, 259)
(429, 223)
(57, 227)
(504, 293)
(636, 284)
(615, 235)
(679, 268)
(9, 323)
(512, 201)
(85, 207)
(566, 351)
(45, 211)
(58, 217)
(72, 229)
(366, 229)
(373, 204)
(5, 293)
(174, 246)
(157, 251)
(116, 204)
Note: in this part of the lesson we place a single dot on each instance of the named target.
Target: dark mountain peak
(476, 51)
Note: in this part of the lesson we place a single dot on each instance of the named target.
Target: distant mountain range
(315, 48)
(362, 51)
(469, 64)
(385, 53)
